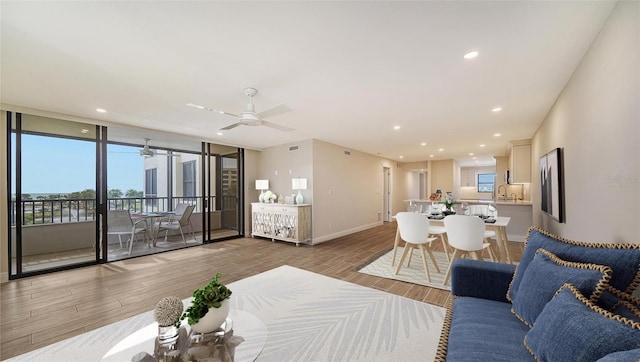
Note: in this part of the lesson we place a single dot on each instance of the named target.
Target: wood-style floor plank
(41, 310)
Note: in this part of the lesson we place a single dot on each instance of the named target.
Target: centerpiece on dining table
(449, 201)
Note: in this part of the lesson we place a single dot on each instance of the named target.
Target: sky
(57, 165)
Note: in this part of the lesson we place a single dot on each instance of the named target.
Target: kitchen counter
(499, 202)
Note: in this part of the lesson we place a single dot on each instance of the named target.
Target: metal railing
(35, 212)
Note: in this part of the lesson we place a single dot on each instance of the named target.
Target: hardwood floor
(41, 310)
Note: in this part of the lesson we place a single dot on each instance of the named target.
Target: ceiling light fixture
(101, 110)
(396, 127)
(84, 131)
(401, 157)
(219, 133)
(482, 145)
(471, 55)
(470, 153)
(497, 134)
(496, 109)
(423, 144)
(432, 156)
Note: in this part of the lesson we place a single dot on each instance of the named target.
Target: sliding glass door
(53, 209)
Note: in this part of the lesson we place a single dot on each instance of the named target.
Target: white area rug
(414, 273)
(309, 317)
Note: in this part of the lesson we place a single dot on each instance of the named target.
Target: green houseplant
(212, 297)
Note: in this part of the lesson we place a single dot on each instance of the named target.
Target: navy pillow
(623, 259)
(622, 356)
(546, 274)
(571, 328)
(620, 303)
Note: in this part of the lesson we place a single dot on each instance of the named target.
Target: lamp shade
(298, 183)
(262, 184)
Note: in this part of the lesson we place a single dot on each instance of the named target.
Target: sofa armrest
(481, 279)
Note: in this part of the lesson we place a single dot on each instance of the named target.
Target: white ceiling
(349, 71)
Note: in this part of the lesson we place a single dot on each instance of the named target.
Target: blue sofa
(564, 301)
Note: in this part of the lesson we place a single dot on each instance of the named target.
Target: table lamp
(299, 184)
(262, 185)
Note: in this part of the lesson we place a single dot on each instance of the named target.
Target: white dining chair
(466, 237)
(413, 228)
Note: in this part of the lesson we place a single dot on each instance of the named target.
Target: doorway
(386, 194)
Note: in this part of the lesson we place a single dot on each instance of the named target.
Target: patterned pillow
(623, 259)
(546, 273)
(571, 328)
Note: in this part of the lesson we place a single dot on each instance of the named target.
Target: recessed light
(470, 153)
(474, 158)
(101, 110)
(396, 127)
(496, 109)
(219, 133)
(497, 134)
(440, 149)
(423, 144)
(482, 145)
(471, 55)
(84, 130)
(432, 156)
(401, 156)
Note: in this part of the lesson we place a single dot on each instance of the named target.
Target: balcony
(60, 232)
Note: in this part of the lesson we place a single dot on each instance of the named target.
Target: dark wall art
(552, 192)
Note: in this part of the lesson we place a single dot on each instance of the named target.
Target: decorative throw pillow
(546, 273)
(632, 355)
(571, 328)
(623, 259)
(620, 303)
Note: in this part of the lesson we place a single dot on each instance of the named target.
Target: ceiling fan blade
(211, 109)
(276, 126)
(274, 111)
(231, 126)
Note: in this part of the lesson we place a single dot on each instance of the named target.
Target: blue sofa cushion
(620, 303)
(546, 274)
(485, 330)
(623, 259)
(632, 355)
(481, 279)
(571, 328)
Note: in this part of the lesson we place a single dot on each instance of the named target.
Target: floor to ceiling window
(61, 170)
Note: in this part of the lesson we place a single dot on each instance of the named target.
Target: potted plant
(209, 307)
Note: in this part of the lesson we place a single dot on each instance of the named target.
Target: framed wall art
(552, 192)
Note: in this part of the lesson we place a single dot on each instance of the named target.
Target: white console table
(290, 223)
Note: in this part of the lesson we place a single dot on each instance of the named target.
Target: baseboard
(322, 239)
(4, 277)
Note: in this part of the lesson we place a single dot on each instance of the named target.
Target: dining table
(500, 228)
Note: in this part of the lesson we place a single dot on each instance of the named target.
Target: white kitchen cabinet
(290, 223)
(468, 176)
(520, 162)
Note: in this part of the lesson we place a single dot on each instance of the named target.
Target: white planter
(213, 319)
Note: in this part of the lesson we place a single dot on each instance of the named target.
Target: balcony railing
(77, 210)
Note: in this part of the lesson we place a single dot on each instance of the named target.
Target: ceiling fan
(148, 152)
(250, 117)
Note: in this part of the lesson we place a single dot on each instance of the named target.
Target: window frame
(479, 184)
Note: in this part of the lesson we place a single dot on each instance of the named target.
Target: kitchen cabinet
(290, 223)
(520, 162)
(468, 176)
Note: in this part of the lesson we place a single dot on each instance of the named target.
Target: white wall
(596, 121)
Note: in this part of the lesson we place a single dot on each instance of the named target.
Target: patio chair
(119, 222)
(177, 222)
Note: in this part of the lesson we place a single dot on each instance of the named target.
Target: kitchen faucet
(505, 191)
